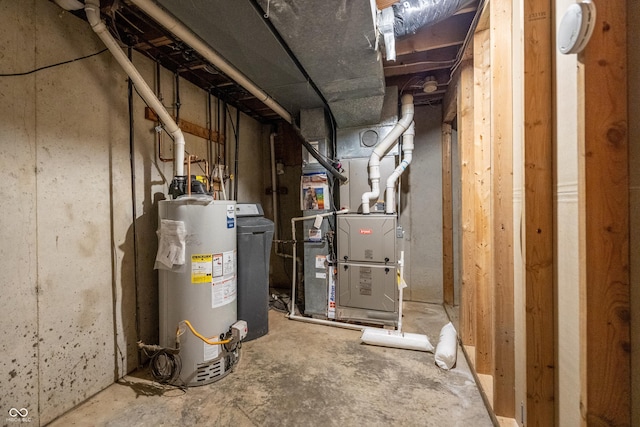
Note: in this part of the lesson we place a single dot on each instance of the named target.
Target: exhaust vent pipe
(407, 155)
(92, 10)
(380, 150)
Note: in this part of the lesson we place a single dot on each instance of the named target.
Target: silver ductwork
(410, 15)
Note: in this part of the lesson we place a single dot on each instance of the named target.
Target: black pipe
(134, 203)
(318, 157)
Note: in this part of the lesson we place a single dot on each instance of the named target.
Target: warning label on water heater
(223, 291)
(201, 268)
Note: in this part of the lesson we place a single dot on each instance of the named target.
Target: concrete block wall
(72, 307)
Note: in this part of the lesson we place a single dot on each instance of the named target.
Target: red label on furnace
(365, 231)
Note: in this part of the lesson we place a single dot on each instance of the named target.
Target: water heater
(202, 290)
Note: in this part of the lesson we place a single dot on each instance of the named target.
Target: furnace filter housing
(203, 290)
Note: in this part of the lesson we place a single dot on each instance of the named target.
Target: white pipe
(383, 147)
(400, 290)
(92, 10)
(407, 155)
(186, 35)
(292, 315)
(274, 193)
(327, 322)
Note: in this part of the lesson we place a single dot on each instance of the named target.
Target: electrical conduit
(384, 145)
(407, 155)
(92, 10)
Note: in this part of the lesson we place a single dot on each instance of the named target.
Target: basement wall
(76, 299)
(421, 209)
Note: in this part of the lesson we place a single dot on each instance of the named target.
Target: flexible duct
(410, 15)
(92, 10)
(384, 145)
(407, 155)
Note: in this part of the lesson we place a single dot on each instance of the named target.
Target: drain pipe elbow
(92, 10)
(407, 150)
(407, 111)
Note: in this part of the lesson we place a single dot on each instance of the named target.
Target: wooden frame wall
(500, 27)
(465, 146)
(538, 213)
(484, 356)
(606, 360)
(447, 218)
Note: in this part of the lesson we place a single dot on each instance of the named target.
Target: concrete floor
(304, 374)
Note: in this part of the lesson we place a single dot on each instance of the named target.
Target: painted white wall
(518, 209)
(567, 251)
(72, 304)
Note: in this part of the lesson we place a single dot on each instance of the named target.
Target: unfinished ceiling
(304, 54)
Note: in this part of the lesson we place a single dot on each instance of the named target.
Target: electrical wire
(53, 65)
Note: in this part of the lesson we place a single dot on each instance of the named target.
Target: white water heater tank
(203, 289)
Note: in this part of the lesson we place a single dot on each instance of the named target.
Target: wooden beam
(187, 127)
(502, 178)
(450, 101)
(605, 237)
(465, 146)
(482, 200)
(447, 218)
(538, 213)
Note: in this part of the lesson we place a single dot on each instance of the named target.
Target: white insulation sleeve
(447, 348)
(396, 339)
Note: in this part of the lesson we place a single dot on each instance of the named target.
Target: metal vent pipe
(410, 15)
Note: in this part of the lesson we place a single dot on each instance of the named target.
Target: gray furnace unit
(255, 234)
(367, 289)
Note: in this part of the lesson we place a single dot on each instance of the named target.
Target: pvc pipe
(186, 35)
(400, 290)
(383, 147)
(92, 10)
(292, 315)
(327, 322)
(407, 155)
(274, 193)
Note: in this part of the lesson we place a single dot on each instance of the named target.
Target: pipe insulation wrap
(447, 348)
(92, 10)
(410, 15)
(186, 35)
(383, 146)
(407, 156)
(396, 339)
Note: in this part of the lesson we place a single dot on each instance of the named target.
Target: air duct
(410, 15)
(407, 155)
(92, 10)
(380, 150)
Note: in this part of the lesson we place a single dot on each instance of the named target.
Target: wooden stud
(465, 145)
(447, 217)
(538, 213)
(482, 200)
(502, 181)
(605, 238)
